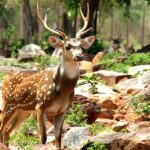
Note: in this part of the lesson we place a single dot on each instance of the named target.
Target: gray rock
(76, 137)
(138, 69)
(29, 52)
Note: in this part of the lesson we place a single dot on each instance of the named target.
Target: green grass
(2, 76)
(21, 139)
(109, 62)
(76, 117)
(140, 105)
(46, 60)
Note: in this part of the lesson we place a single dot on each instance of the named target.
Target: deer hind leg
(6, 122)
(41, 117)
(58, 122)
(15, 123)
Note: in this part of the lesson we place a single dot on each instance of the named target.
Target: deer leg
(58, 122)
(41, 121)
(16, 122)
(6, 122)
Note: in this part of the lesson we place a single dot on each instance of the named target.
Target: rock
(76, 137)
(107, 113)
(106, 122)
(111, 77)
(119, 126)
(136, 85)
(100, 89)
(85, 66)
(44, 147)
(137, 140)
(29, 52)
(89, 107)
(108, 104)
(138, 69)
(97, 58)
(118, 117)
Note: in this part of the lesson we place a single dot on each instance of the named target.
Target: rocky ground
(107, 102)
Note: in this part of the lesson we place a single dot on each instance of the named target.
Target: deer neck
(67, 74)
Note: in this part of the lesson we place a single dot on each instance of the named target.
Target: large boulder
(140, 85)
(29, 52)
(76, 137)
(136, 140)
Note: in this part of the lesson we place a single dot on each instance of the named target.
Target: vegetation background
(19, 24)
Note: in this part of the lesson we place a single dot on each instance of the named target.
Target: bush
(140, 106)
(15, 47)
(46, 60)
(75, 117)
(110, 61)
(97, 46)
(94, 146)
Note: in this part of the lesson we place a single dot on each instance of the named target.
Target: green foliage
(2, 76)
(93, 80)
(70, 6)
(75, 117)
(8, 31)
(95, 146)
(97, 46)
(46, 60)
(15, 47)
(15, 63)
(97, 128)
(110, 61)
(140, 106)
(21, 139)
(44, 43)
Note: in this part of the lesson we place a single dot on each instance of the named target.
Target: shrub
(140, 105)
(46, 60)
(97, 46)
(75, 117)
(110, 61)
(94, 146)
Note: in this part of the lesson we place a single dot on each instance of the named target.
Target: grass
(110, 61)
(21, 139)
(140, 105)
(76, 117)
(2, 76)
(46, 60)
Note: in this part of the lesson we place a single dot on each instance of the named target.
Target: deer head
(71, 47)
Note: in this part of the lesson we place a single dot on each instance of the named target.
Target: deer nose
(78, 57)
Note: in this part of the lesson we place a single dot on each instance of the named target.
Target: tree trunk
(143, 27)
(67, 25)
(112, 24)
(28, 25)
(93, 7)
(75, 19)
(95, 18)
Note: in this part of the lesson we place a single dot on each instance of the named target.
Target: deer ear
(55, 42)
(87, 42)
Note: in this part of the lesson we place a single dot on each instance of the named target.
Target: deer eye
(68, 47)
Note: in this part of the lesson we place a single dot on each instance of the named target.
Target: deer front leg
(41, 121)
(58, 122)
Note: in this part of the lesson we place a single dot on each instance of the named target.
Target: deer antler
(86, 20)
(44, 22)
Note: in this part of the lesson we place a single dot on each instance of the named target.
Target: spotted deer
(48, 92)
